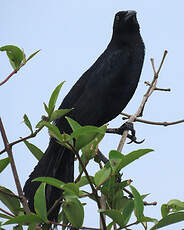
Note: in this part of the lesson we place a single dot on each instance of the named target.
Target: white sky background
(71, 35)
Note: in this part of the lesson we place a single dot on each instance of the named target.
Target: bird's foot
(129, 127)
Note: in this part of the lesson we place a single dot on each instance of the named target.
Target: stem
(7, 213)
(22, 139)
(13, 167)
(91, 185)
(9, 76)
(139, 112)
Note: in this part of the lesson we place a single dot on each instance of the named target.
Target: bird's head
(125, 24)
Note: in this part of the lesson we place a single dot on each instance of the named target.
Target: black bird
(101, 93)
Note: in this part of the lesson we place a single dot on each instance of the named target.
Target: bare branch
(22, 139)
(9, 76)
(161, 123)
(156, 88)
(7, 213)
(151, 203)
(144, 100)
(13, 167)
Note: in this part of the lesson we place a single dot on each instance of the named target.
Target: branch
(148, 204)
(13, 167)
(9, 76)
(22, 139)
(156, 88)
(91, 185)
(128, 225)
(144, 100)
(163, 123)
(7, 213)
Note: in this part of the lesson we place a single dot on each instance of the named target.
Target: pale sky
(71, 35)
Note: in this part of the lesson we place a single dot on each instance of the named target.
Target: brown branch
(156, 88)
(144, 100)
(13, 167)
(22, 139)
(149, 204)
(9, 76)
(7, 213)
(164, 123)
(128, 225)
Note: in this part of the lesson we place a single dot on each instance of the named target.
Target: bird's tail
(57, 162)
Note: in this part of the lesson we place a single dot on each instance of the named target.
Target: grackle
(101, 93)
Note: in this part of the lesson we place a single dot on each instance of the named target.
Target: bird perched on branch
(101, 93)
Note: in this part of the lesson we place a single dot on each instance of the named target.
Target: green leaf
(127, 211)
(102, 175)
(24, 219)
(84, 181)
(53, 130)
(115, 159)
(3, 163)
(115, 215)
(59, 113)
(164, 210)
(176, 205)
(149, 219)
(32, 55)
(40, 202)
(170, 219)
(85, 135)
(46, 108)
(53, 98)
(14, 54)
(90, 150)
(110, 225)
(50, 180)
(32, 226)
(5, 216)
(138, 203)
(71, 188)
(28, 123)
(34, 150)
(12, 203)
(129, 158)
(74, 212)
(73, 124)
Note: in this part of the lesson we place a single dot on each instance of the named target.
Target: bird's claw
(129, 126)
(134, 139)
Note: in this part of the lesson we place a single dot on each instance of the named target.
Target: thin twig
(13, 167)
(161, 123)
(7, 213)
(69, 226)
(9, 76)
(149, 203)
(144, 100)
(22, 139)
(156, 88)
(128, 225)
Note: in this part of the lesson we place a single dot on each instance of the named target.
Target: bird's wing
(106, 66)
(105, 77)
